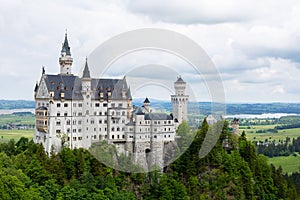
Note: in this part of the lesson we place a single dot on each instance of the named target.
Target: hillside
(234, 172)
(16, 104)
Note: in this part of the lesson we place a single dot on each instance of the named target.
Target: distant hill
(203, 107)
(16, 104)
(231, 108)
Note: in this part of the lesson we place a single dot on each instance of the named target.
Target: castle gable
(42, 90)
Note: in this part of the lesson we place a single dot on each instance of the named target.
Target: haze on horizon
(253, 44)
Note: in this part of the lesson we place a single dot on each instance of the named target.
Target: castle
(78, 111)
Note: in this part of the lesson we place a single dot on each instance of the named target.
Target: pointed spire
(36, 87)
(146, 100)
(179, 80)
(86, 71)
(65, 47)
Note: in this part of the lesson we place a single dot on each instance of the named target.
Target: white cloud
(254, 44)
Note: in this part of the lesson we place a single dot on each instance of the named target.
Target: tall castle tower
(179, 101)
(65, 59)
(235, 125)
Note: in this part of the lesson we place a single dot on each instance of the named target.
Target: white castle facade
(78, 111)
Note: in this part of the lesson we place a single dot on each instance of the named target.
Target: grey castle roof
(146, 100)
(179, 80)
(86, 71)
(157, 116)
(65, 47)
(36, 87)
(71, 86)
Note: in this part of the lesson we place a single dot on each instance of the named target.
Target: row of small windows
(94, 137)
(95, 113)
(155, 136)
(156, 122)
(113, 105)
(43, 104)
(118, 136)
(80, 130)
(165, 122)
(148, 129)
(58, 123)
(117, 129)
(148, 136)
(80, 113)
(58, 105)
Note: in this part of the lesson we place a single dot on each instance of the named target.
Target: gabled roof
(65, 47)
(64, 83)
(71, 86)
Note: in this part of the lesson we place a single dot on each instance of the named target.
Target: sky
(253, 44)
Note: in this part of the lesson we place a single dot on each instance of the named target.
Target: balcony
(41, 119)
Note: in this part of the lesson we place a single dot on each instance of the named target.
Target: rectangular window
(80, 105)
(65, 105)
(74, 130)
(104, 104)
(97, 104)
(65, 114)
(74, 104)
(58, 114)
(58, 105)
(79, 138)
(112, 105)
(79, 130)
(58, 131)
(57, 123)
(120, 105)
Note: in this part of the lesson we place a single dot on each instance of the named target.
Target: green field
(281, 135)
(289, 164)
(6, 135)
(27, 119)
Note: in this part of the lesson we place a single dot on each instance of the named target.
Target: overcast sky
(255, 44)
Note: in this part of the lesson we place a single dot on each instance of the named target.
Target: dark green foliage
(231, 170)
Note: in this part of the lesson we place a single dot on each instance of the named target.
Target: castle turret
(147, 105)
(235, 126)
(179, 101)
(86, 78)
(65, 59)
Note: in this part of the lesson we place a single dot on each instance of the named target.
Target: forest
(285, 148)
(232, 172)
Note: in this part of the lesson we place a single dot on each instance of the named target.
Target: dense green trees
(231, 170)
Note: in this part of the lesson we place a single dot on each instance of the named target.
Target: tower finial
(86, 71)
(65, 59)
